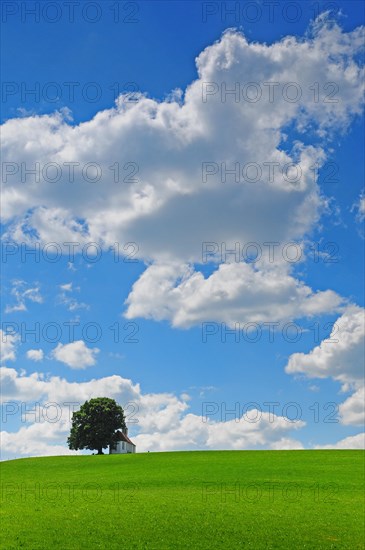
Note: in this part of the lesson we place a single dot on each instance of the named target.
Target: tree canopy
(94, 425)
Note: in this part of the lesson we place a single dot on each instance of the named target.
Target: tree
(94, 425)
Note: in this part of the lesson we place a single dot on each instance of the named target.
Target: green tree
(94, 425)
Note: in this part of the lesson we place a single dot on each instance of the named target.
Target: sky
(183, 222)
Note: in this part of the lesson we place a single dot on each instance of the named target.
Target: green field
(203, 500)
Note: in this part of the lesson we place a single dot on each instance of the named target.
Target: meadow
(185, 500)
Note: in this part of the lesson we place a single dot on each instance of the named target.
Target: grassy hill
(185, 500)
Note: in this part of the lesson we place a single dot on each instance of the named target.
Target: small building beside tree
(123, 445)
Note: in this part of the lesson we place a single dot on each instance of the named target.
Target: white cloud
(16, 386)
(341, 356)
(191, 433)
(163, 421)
(76, 354)
(359, 208)
(235, 292)
(38, 387)
(167, 208)
(22, 292)
(8, 346)
(67, 299)
(170, 211)
(352, 411)
(38, 439)
(352, 442)
(35, 354)
(286, 444)
(67, 287)
(71, 303)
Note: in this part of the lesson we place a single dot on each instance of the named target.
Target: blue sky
(168, 294)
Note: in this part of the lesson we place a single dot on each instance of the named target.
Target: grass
(185, 500)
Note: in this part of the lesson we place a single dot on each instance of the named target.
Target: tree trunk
(100, 452)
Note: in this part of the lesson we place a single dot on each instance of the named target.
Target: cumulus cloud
(160, 421)
(341, 356)
(35, 354)
(193, 434)
(176, 137)
(8, 346)
(235, 292)
(352, 411)
(171, 192)
(42, 439)
(38, 387)
(286, 444)
(76, 354)
(169, 140)
(351, 442)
